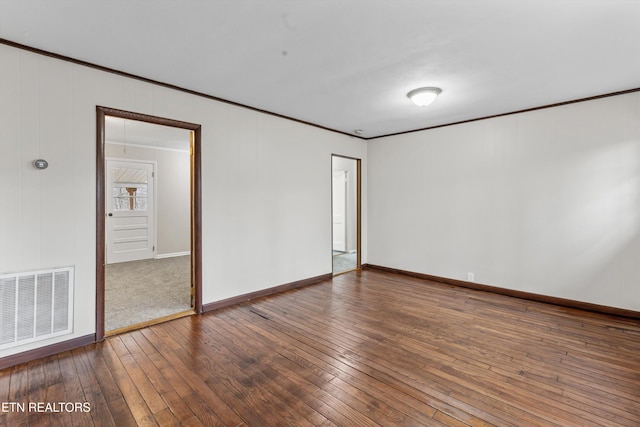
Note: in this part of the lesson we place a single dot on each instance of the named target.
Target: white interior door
(130, 211)
(339, 210)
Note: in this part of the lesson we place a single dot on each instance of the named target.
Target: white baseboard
(172, 255)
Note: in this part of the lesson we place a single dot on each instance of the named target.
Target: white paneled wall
(546, 202)
(266, 181)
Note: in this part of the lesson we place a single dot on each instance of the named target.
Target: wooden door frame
(196, 206)
(358, 208)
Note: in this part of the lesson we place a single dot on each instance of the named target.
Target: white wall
(172, 190)
(266, 181)
(351, 166)
(546, 202)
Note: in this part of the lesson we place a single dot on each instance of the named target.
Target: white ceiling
(348, 64)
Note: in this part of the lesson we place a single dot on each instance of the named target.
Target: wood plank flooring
(365, 349)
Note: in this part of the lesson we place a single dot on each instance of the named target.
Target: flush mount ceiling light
(424, 96)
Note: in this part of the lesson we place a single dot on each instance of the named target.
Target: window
(130, 189)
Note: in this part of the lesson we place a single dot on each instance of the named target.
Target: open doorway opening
(148, 221)
(345, 207)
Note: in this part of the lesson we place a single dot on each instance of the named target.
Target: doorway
(345, 209)
(148, 220)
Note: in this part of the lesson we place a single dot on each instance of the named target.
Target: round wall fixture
(40, 164)
(424, 96)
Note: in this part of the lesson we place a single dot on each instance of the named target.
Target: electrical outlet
(471, 277)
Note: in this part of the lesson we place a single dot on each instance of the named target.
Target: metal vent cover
(35, 305)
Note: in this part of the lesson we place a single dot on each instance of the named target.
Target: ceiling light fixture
(424, 96)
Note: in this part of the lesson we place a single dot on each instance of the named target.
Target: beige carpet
(139, 291)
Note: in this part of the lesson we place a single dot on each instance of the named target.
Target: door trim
(196, 206)
(358, 209)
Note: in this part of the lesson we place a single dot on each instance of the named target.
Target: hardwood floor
(364, 349)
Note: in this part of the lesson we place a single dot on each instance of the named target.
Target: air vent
(35, 305)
